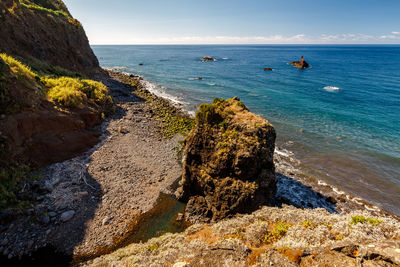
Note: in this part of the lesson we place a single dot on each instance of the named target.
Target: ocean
(340, 118)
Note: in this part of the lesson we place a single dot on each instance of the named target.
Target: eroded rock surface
(271, 236)
(228, 162)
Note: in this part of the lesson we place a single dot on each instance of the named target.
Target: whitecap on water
(331, 88)
(160, 92)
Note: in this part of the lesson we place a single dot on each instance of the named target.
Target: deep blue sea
(340, 118)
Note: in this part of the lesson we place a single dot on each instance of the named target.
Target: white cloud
(389, 37)
(348, 38)
(395, 32)
(222, 39)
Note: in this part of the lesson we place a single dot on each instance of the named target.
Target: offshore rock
(302, 64)
(228, 162)
(204, 59)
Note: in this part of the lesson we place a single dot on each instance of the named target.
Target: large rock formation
(44, 31)
(228, 162)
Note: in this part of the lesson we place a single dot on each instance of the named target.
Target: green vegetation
(173, 120)
(26, 91)
(67, 91)
(217, 113)
(52, 7)
(72, 92)
(211, 113)
(23, 89)
(308, 224)
(10, 177)
(11, 174)
(39, 8)
(361, 219)
(50, 4)
(23, 72)
(279, 229)
(43, 68)
(153, 247)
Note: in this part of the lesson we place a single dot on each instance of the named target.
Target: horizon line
(252, 44)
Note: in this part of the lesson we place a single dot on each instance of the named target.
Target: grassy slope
(21, 89)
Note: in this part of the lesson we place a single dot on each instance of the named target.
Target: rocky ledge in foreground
(228, 163)
(272, 237)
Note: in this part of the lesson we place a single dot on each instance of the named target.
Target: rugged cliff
(47, 109)
(43, 31)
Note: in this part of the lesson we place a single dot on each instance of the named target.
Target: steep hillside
(48, 111)
(44, 30)
(43, 119)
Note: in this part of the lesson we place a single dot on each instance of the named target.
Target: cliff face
(228, 166)
(47, 111)
(44, 30)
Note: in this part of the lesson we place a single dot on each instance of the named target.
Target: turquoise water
(340, 118)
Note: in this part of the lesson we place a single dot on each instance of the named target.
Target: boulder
(228, 163)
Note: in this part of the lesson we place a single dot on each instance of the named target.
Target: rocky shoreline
(87, 206)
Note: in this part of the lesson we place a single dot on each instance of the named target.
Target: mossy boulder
(228, 162)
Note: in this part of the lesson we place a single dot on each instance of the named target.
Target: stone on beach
(66, 216)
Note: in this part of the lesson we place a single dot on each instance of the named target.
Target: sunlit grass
(21, 71)
(45, 10)
(73, 92)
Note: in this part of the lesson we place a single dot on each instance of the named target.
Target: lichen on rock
(228, 162)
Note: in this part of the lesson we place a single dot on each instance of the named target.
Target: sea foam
(331, 88)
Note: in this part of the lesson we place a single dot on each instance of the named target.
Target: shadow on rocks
(64, 200)
(294, 193)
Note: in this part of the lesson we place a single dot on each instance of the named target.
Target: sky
(239, 21)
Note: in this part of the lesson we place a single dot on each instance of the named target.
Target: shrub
(361, 219)
(208, 114)
(73, 92)
(278, 230)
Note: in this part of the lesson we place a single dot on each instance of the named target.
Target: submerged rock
(228, 162)
(302, 64)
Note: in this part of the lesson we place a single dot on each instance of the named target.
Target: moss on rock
(228, 165)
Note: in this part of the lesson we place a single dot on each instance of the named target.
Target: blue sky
(238, 21)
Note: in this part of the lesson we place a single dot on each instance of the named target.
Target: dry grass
(293, 255)
(205, 234)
